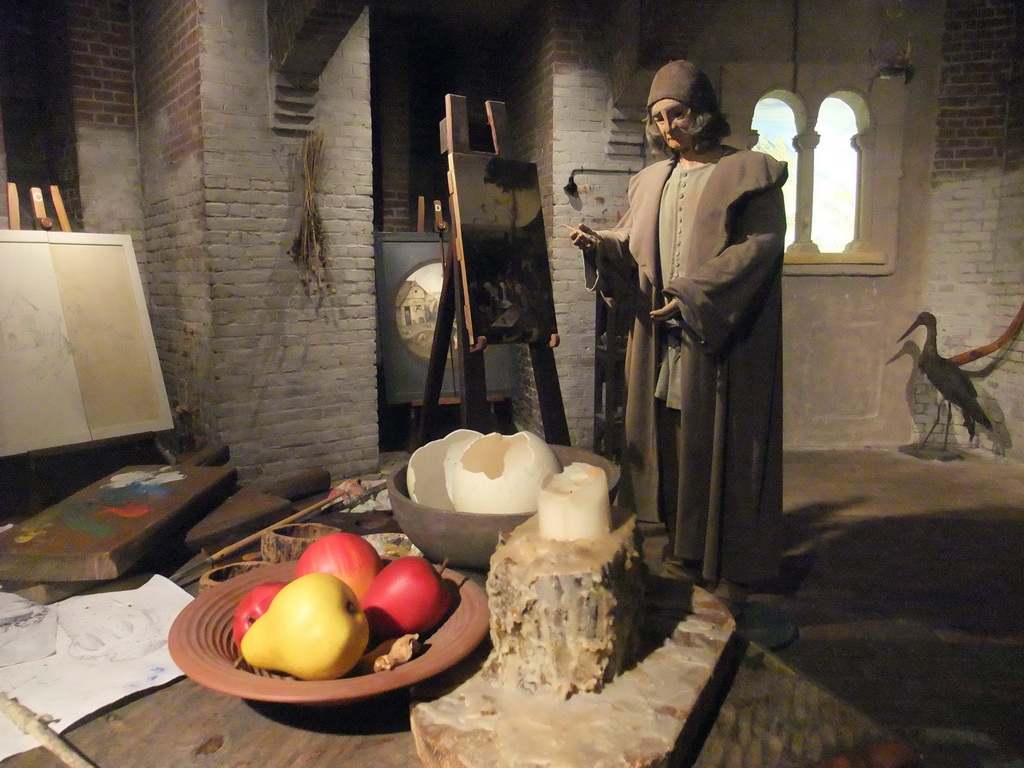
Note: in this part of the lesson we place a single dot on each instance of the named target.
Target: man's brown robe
(730, 466)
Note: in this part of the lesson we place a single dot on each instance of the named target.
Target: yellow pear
(314, 630)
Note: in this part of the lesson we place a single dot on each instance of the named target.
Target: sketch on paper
(28, 631)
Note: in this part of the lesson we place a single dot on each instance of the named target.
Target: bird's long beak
(917, 324)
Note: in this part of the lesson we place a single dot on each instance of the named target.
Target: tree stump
(565, 615)
(652, 715)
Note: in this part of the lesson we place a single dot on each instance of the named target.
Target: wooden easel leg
(549, 394)
(438, 353)
(470, 373)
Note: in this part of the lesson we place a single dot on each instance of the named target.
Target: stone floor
(905, 578)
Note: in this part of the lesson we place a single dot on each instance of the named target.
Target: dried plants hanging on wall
(310, 248)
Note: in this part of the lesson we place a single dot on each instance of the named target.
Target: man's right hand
(583, 237)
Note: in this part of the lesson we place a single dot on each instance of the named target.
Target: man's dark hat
(682, 81)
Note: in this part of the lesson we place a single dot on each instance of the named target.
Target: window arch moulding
(875, 120)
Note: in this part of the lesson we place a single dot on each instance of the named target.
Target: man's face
(671, 118)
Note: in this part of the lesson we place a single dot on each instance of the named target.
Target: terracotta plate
(200, 644)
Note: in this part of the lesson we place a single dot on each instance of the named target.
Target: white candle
(573, 504)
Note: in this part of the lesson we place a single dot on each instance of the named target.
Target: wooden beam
(501, 134)
(58, 206)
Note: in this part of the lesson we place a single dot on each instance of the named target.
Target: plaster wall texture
(110, 182)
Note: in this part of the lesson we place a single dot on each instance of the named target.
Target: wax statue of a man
(701, 251)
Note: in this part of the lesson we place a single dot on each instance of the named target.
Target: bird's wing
(954, 385)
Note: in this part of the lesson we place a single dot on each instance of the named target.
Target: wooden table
(770, 713)
(769, 710)
(184, 724)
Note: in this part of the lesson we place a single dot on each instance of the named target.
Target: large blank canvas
(77, 357)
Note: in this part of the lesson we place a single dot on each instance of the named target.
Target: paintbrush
(192, 571)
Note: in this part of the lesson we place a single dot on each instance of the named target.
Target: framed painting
(409, 277)
(502, 249)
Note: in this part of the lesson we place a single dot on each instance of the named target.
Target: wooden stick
(190, 572)
(58, 206)
(13, 207)
(36, 727)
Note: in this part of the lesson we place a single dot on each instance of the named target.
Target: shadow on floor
(905, 580)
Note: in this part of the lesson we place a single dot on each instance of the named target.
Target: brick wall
(167, 71)
(975, 265)
(393, 126)
(581, 109)
(529, 104)
(292, 378)
(103, 97)
(284, 20)
(559, 106)
(5, 222)
(100, 42)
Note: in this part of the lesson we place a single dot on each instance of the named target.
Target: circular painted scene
(416, 302)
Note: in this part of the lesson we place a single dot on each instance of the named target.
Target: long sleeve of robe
(731, 303)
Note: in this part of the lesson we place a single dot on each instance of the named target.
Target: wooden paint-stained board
(103, 530)
(77, 356)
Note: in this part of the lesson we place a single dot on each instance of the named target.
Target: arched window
(824, 194)
(776, 126)
(833, 223)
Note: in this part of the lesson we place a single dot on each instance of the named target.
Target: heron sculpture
(952, 384)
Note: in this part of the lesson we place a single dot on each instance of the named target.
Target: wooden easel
(469, 366)
(40, 219)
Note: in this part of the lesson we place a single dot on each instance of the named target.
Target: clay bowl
(467, 539)
(287, 543)
(200, 644)
(217, 576)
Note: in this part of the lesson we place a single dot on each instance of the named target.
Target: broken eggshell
(501, 474)
(430, 468)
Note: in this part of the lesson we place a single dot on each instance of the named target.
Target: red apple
(253, 605)
(346, 555)
(408, 595)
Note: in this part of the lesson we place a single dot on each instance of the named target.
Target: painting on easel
(502, 249)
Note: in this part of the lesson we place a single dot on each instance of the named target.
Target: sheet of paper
(107, 646)
(28, 631)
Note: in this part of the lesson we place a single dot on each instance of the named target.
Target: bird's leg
(938, 415)
(949, 418)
